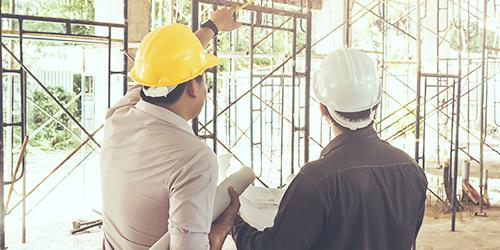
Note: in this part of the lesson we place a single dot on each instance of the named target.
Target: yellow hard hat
(169, 56)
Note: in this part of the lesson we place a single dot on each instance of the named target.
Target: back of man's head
(353, 117)
(347, 87)
(168, 61)
(172, 96)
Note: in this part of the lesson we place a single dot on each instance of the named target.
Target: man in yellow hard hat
(157, 175)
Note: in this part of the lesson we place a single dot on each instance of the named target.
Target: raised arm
(223, 19)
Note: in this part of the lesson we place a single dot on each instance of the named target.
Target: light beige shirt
(156, 176)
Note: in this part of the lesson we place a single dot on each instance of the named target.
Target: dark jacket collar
(348, 137)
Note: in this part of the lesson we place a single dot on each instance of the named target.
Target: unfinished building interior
(438, 60)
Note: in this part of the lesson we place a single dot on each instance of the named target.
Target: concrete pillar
(139, 19)
(109, 11)
(139, 23)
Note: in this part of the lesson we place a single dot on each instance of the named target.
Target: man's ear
(324, 110)
(192, 89)
(326, 114)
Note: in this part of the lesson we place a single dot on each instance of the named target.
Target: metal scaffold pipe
(418, 88)
(57, 167)
(2, 208)
(483, 103)
(458, 85)
(418, 68)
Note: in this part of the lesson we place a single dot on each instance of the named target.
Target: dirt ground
(49, 224)
(472, 232)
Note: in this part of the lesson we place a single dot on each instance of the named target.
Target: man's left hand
(222, 225)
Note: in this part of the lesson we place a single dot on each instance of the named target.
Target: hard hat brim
(210, 62)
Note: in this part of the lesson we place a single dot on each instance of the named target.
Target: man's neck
(177, 110)
(336, 131)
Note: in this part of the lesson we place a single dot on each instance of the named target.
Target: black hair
(352, 116)
(172, 97)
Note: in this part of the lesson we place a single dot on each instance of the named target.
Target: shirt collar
(348, 137)
(164, 115)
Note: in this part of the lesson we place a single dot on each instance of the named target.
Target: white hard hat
(346, 81)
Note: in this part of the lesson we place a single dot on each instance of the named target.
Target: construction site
(66, 62)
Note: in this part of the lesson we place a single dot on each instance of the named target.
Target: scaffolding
(13, 37)
(437, 81)
(273, 91)
(439, 96)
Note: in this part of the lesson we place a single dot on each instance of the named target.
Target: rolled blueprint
(239, 181)
(223, 161)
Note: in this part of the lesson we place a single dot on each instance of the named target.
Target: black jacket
(361, 194)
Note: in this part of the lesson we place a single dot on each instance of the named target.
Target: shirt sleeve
(297, 225)
(421, 209)
(192, 194)
(128, 100)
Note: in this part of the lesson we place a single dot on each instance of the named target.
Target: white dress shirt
(157, 176)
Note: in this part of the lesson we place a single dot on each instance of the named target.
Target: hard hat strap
(158, 91)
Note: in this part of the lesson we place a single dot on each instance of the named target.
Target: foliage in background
(7, 81)
(70, 9)
(54, 135)
(472, 36)
(173, 11)
(164, 13)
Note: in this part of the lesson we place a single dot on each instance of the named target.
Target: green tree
(74, 9)
(54, 135)
(472, 36)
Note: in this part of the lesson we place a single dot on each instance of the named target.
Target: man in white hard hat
(157, 175)
(362, 193)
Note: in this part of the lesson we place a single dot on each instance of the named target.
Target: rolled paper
(223, 161)
(239, 181)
